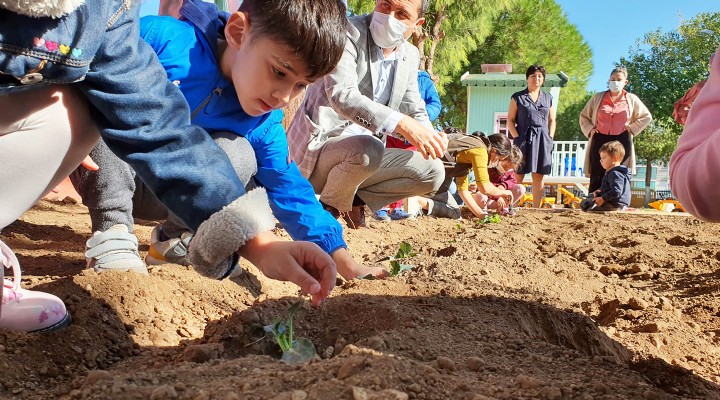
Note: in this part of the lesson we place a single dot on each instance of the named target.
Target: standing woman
(612, 115)
(531, 122)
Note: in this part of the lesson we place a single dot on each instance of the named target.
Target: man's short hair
(614, 149)
(314, 29)
(424, 5)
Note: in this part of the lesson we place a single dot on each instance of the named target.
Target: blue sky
(610, 27)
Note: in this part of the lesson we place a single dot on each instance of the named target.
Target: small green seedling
(295, 351)
(405, 251)
(489, 219)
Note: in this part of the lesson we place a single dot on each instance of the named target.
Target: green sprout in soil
(405, 251)
(489, 219)
(294, 351)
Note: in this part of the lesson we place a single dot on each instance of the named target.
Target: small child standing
(614, 192)
(503, 177)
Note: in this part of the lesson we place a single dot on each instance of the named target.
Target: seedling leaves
(294, 351)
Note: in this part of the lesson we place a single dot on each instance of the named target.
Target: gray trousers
(360, 164)
(114, 194)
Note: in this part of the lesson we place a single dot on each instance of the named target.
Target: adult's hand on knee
(429, 143)
(302, 263)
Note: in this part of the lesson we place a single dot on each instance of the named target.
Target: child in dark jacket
(614, 192)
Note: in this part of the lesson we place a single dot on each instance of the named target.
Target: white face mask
(616, 86)
(500, 168)
(387, 31)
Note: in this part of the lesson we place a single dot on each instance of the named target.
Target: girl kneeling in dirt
(474, 152)
(503, 177)
(74, 70)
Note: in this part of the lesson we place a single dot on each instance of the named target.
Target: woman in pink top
(697, 157)
(614, 114)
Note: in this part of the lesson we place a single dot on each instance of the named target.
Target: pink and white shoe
(25, 310)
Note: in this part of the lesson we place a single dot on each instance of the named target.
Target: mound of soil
(546, 304)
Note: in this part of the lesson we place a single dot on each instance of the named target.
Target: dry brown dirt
(549, 305)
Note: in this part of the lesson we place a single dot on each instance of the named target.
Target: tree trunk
(648, 181)
(436, 35)
(419, 38)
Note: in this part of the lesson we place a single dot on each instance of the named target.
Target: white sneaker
(114, 250)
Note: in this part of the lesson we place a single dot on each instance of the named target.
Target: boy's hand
(599, 201)
(350, 269)
(302, 263)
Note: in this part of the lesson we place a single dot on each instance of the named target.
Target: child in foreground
(614, 193)
(74, 70)
(236, 72)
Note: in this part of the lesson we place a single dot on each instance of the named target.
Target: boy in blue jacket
(236, 72)
(614, 193)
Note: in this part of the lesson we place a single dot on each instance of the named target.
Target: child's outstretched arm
(697, 156)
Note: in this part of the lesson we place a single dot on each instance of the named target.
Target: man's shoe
(382, 215)
(25, 310)
(398, 214)
(114, 250)
(168, 251)
(355, 218)
(332, 210)
(442, 210)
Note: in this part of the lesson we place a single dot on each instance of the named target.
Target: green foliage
(452, 29)
(658, 141)
(568, 121)
(294, 350)
(357, 7)
(528, 32)
(489, 219)
(405, 251)
(662, 66)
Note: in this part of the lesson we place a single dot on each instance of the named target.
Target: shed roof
(511, 80)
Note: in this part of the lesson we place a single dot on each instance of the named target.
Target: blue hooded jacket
(429, 94)
(187, 49)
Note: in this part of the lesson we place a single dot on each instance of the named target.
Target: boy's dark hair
(534, 68)
(614, 149)
(314, 29)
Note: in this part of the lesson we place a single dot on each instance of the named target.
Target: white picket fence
(568, 158)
